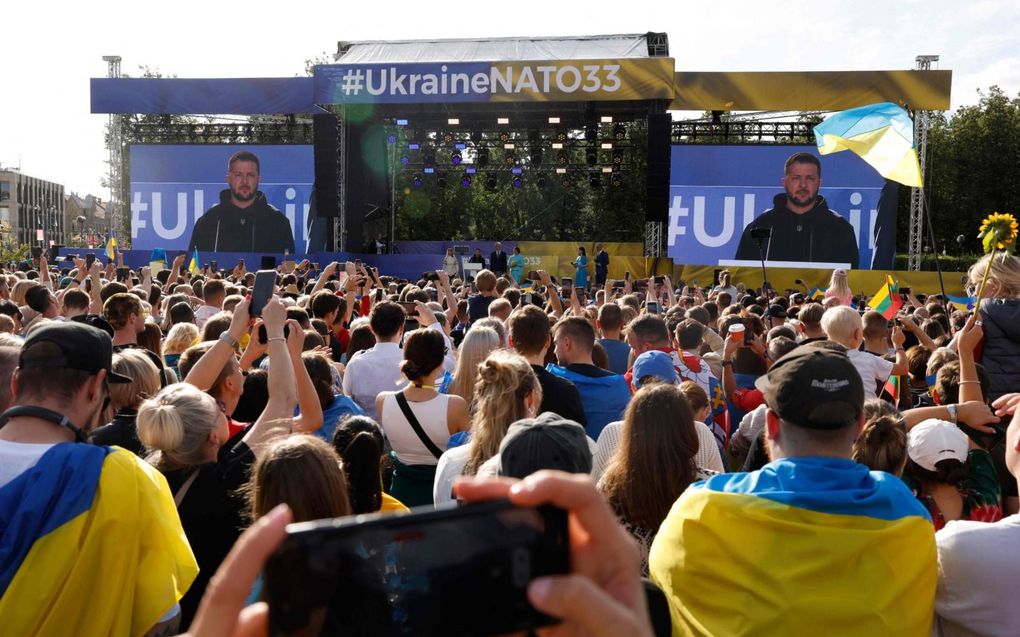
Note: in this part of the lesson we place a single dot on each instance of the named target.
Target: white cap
(933, 440)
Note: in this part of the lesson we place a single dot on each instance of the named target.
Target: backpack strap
(416, 426)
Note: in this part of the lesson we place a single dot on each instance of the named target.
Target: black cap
(77, 346)
(776, 311)
(814, 387)
(547, 442)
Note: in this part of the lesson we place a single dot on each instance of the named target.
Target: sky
(52, 50)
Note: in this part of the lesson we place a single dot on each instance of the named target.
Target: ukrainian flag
(90, 545)
(111, 248)
(194, 266)
(805, 546)
(881, 134)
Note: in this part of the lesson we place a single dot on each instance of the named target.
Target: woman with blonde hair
(506, 390)
(478, 343)
(125, 398)
(180, 337)
(839, 288)
(450, 263)
(1000, 311)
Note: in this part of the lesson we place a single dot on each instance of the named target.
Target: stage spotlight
(594, 181)
(517, 181)
(483, 157)
(592, 157)
(465, 180)
(616, 181)
(617, 157)
(417, 181)
(510, 158)
(562, 159)
(561, 136)
(607, 169)
(561, 171)
(619, 132)
(405, 160)
(413, 146)
(441, 181)
(607, 145)
(447, 137)
(476, 136)
(392, 139)
(557, 145)
(504, 136)
(453, 121)
(456, 158)
(591, 133)
(490, 182)
(428, 170)
(607, 119)
(536, 156)
(534, 136)
(566, 181)
(401, 122)
(540, 183)
(554, 120)
(429, 158)
(502, 120)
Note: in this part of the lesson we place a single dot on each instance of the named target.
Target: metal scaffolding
(922, 121)
(653, 239)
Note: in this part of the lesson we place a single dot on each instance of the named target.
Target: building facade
(31, 210)
(85, 219)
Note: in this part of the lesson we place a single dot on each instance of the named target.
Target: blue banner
(716, 191)
(173, 185)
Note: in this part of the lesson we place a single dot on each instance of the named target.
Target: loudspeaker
(325, 139)
(657, 181)
(52, 251)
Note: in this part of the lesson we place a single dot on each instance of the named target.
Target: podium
(470, 269)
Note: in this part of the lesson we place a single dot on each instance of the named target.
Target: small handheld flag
(880, 134)
(887, 300)
(111, 248)
(193, 267)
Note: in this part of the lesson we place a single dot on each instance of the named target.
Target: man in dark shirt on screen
(803, 228)
(243, 220)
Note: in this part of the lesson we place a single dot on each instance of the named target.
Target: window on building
(5, 191)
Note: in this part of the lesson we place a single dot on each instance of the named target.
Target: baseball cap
(776, 311)
(814, 387)
(657, 364)
(546, 442)
(72, 345)
(933, 440)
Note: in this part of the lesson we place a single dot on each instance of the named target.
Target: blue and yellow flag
(111, 248)
(194, 266)
(803, 546)
(962, 303)
(880, 134)
(90, 545)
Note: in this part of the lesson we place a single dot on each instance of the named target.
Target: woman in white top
(420, 440)
(506, 390)
(450, 263)
(725, 286)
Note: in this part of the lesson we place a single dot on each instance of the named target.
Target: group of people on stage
(500, 263)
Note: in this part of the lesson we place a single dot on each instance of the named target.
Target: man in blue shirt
(610, 325)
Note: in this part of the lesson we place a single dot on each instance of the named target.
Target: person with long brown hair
(506, 390)
(302, 472)
(654, 463)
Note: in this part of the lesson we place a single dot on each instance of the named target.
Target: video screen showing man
(803, 227)
(243, 220)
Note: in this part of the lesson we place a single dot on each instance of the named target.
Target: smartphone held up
(444, 571)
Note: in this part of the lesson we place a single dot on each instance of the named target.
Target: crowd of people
(734, 461)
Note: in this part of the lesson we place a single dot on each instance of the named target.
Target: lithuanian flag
(880, 134)
(804, 546)
(892, 387)
(90, 545)
(887, 300)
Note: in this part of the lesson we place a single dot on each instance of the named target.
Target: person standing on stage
(803, 227)
(450, 263)
(581, 263)
(601, 265)
(498, 260)
(243, 220)
(477, 257)
(517, 266)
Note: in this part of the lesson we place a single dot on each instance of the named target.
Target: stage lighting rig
(483, 157)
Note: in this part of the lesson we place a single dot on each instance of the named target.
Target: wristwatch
(228, 339)
(953, 415)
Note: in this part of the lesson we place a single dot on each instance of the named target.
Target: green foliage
(14, 252)
(973, 169)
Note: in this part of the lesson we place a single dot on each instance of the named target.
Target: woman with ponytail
(506, 390)
(478, 343)
(418, 420)
(359, 443)
(882, 444)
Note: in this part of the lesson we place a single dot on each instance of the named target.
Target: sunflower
(999, 232)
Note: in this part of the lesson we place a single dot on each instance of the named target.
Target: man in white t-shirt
(376, 370)
(213, 294)
(979, 567)
(843, 325)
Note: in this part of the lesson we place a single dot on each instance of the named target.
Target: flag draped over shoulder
(880, 134)
(804, 546)
(887, 301)
(90, 545)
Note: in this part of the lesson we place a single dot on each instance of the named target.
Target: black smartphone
(444, 571)
(262, 291)
(626, 276)
(430, 276)
(357, 263)
(123, 274)
(659, 280)
(410, 308)
(89, 260)
(533, 275)
(618, 285)
(263, 336)
(268, 263)
(212, 266)
(566, 285)
(652, 307)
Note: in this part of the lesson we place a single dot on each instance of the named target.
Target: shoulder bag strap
(183, 491)
(409, 415)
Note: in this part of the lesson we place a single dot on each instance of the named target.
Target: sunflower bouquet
(998, 233)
